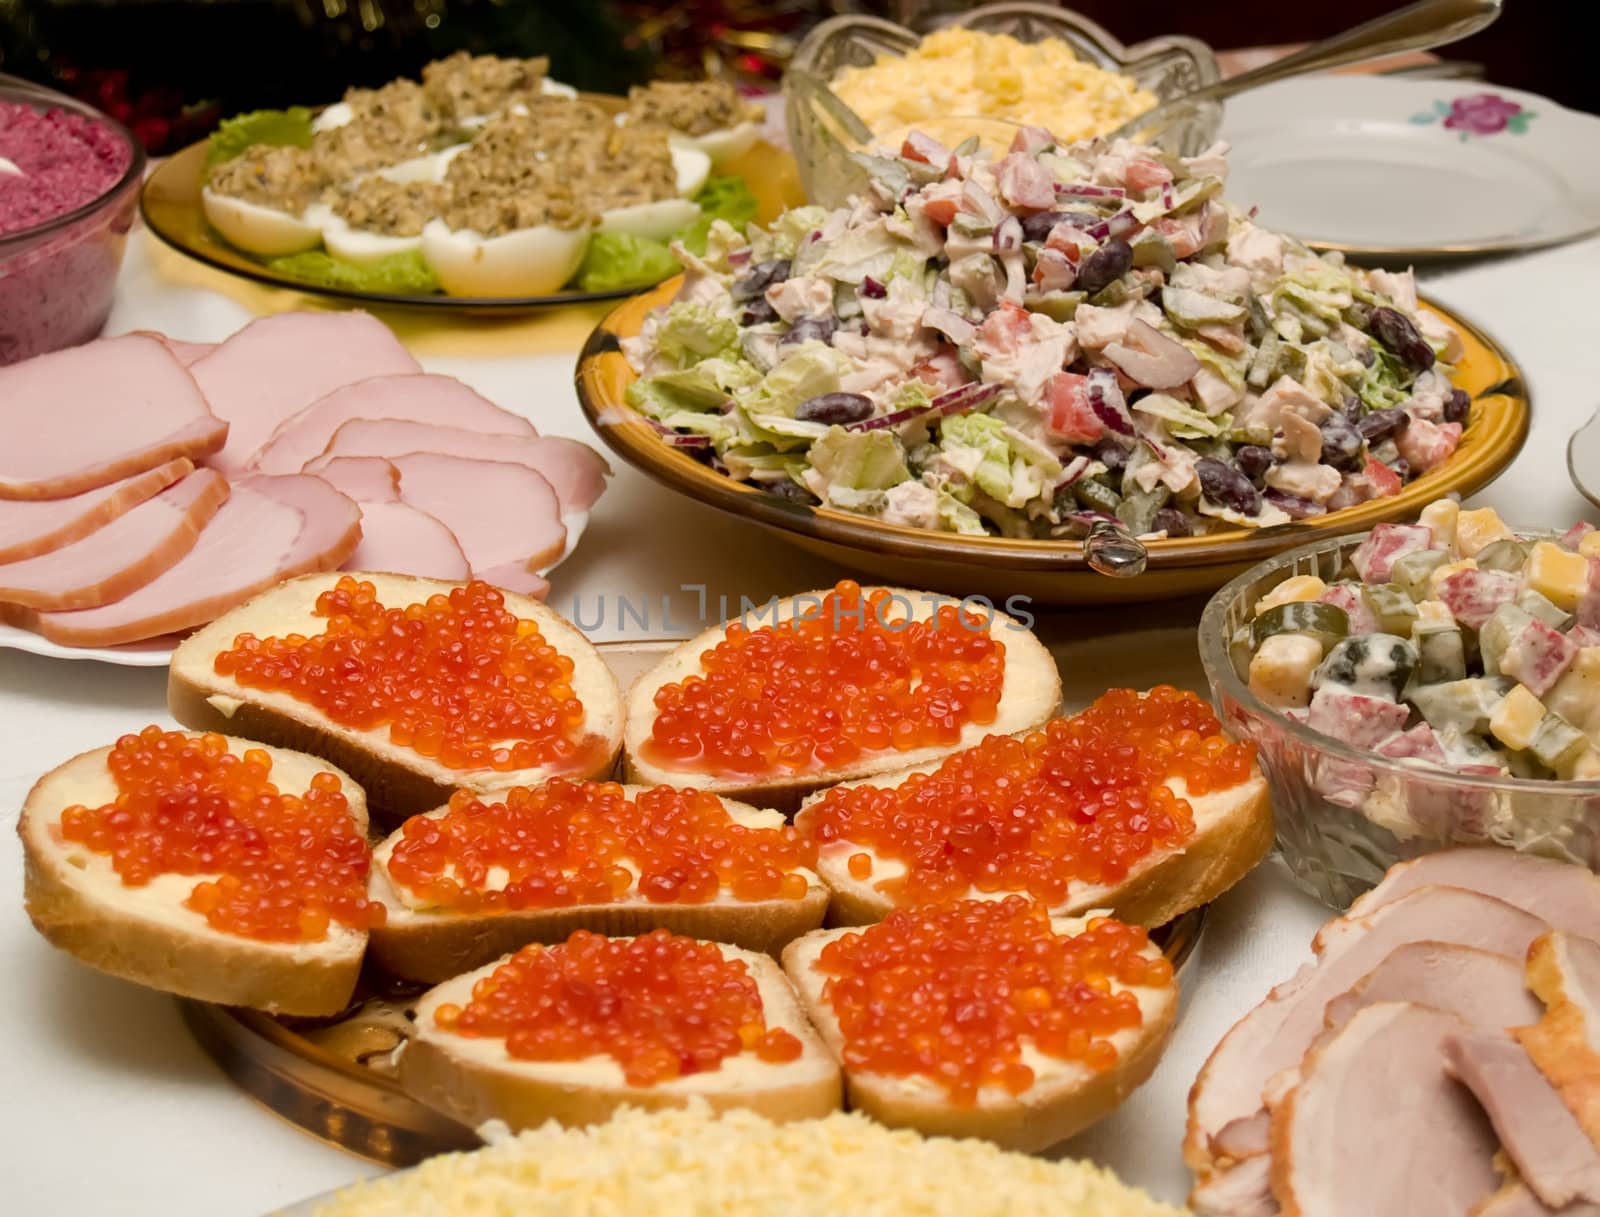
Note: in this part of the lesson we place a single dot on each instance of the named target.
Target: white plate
(156, 652)
(1414, 168)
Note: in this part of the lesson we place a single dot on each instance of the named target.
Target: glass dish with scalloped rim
(824, 132)
(1344, 814)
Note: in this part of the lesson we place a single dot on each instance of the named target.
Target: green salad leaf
(405, 274)
(616, 262)
(242, 131)
(721, 198)
(859, 460)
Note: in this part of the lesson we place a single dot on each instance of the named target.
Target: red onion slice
(1108, 404)
(954, 327)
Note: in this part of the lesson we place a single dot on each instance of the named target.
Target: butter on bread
(146, 934)
(1030, 694)
(474, 1079)
(399, 781)
(435, 944)
(1065, 1097)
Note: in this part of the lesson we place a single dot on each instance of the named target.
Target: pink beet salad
(52, 163)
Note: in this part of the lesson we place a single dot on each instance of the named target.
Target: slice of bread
(1065, 1098)
(435, 944)
(145, 934)
(1232, 832)
(399, 781)
(1031, 693)
(475, 1079)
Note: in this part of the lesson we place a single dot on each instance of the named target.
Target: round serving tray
(335, 1077)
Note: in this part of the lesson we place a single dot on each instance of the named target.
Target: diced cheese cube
(1440, 516)
(1301, 587)
(1475, 529)
(1444, 572)
(1583, 767)
(1280, 670)
(1435, 610)
(1516, 719)
(1558, 574)
(1589, 547)
(1576, 696)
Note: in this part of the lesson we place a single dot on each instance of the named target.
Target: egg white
(334, 117)
(430, 167)
(722, 145)
(528, 262)
(658, 221)
(356, 245)
(267, 231)
(692, 167)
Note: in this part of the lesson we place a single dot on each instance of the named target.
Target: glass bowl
(1345, 815)
(824, 133)
(57, 278)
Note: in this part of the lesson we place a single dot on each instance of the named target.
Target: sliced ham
(96, 414)
(277, 366)
(505, 516)
(366, 479)
(1564, 970)
(1515, 1200)
(410, 397)
(1483, 990)
(399, 539)
(126, 554)
(270, 529)
(1565, 896)
(1378, 1128)
(1554, 1157)
(186, 353)
(1243, 1190)
(575, 471)
(29, 527)
(1275, 1036)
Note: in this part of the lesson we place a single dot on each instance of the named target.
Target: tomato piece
(1385, 481)
(943, 371)
(1072, 417)
(940, 211)
(1146, 175)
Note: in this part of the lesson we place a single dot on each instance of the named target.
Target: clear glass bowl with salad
(1418, 687)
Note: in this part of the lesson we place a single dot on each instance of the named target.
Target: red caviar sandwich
(1139, 805)
(417, 687)
(822, 687)
(210, 867)
(575, 1031)
(484, 875)
(986, 1018)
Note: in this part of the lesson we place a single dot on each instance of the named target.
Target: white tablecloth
(107, 1106)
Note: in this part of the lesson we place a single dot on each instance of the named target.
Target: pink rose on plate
(1479, 114)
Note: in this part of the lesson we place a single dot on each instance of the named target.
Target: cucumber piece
(1411, 573)
(1465, 705)
(1395, 611)
(1509, 556)
(1441, 652)
(1327, 623)
(1190, 309)
(1541, 608)
(1507, 623)
(1265, 363)
(1556, 742)
(1150, 248)
(1096, 496)
(1138, 510)
(1379, 665)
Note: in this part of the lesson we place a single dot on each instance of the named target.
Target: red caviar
(853, 677)
(459, 679)
(659, 1005)
(955, 992)
(1081, 801)
(286, 866)
(570, 843)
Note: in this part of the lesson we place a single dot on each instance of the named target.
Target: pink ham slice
(124, 555)
(96, 414)
(35, 526)
(1515, 1200)
(277, 366)
(575, 471)
(270, 529)
(395, 537)
(417, 397)
(1378, 1128)
(185, 353)
(1244, 1190)
(1225, 1105)
(505, 516)
(366, 479)
(1483, 990)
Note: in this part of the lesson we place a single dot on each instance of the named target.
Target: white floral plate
(156, 652)
(1414, 168)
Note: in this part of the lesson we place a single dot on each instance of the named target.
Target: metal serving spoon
(1417, 27)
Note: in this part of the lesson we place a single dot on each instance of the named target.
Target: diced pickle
(1466, 705)
(1394, 610)
(1441, 653)
(1541, 608)
(1508, 556)
(1096, 496)
(1556, 742)
(1138, 510)
(1379, 665)
(1411, 573)
(1507, 622)
(1327, 623)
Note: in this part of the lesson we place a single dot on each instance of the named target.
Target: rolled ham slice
(29, 527)
(126, 554)
(420, 397)
(270, 529)
(575, 471)
(505, 516)
(81, 418)
(1378, 1128)
(277, 366)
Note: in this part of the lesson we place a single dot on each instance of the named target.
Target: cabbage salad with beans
(1027, 346)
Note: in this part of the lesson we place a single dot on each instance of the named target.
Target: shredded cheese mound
(691, 1163)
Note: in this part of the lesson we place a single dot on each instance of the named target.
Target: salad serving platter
(1048, 571)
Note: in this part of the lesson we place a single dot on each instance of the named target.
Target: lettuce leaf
(690, 332)
(616, 262)
(721, 198)
(406, 274)
(242, 131)
(858, 460)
